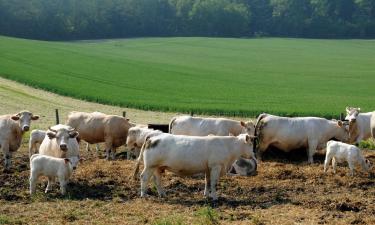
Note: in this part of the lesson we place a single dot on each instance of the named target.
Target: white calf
(36, 137)
(51, 167)
(340, 152)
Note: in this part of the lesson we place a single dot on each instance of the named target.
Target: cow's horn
(49, 128)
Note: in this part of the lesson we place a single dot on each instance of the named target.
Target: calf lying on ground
(36, 137)
(188, 155)
(244, 167)
(340, 152)
(51, 167)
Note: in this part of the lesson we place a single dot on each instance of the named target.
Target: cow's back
(116, 127)
(91, 126)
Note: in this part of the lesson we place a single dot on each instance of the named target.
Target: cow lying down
(189, 155)
(341, 152)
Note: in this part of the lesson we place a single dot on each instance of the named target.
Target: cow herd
(211, 146)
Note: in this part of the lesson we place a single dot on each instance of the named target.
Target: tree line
(93, 19)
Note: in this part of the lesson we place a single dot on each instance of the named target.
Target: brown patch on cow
(152, 143)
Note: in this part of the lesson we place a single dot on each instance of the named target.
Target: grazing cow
(60, 141)
(36, 137)
(359, 124)
(341, 152)
(287, 134)
(98, 127)
(188, 155)
(137, 136)
(12, 127)
(197, 126)
(51, 167)
(244, 167)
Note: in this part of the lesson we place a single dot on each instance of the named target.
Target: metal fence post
(57, 116)
(123, 114)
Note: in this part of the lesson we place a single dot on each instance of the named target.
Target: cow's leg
(326, 162)
(113, 153)
(88, 149)
(49, 184)
(145, 177)
(351, 167)
(6, 155)
(262, 148)
(33, 179)
(63, 182)
(214, 177)
(157, 181)
(311, 151)
(334, 164)
(108, 148)
(207, 183)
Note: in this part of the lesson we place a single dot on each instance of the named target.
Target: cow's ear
(73, 134)
(36, 117)
(243, 123)
(339, 123)
(15, 117)
(66, 160)
(51, 134)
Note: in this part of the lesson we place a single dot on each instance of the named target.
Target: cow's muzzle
(26, 128)
(63, 147)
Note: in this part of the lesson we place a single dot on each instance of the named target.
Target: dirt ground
(286, 189)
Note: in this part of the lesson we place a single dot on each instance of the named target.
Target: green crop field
(204, 75)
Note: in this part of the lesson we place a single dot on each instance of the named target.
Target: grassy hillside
(246, 76)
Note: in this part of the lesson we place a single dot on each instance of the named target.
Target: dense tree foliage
(85, 19)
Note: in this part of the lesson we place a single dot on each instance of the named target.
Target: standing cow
(98, 127)
(12, 127)
(188, 155)
(198, 126)
(359, 124)
(60, 141)
(287, 134)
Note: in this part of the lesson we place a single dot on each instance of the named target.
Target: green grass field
(204, 75)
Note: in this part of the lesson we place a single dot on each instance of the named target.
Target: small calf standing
(51, 167)
(340, 152)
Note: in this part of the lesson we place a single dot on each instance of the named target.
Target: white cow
(137, 136)
(341, 152)
(198, 126)
(60, 141)
(36, 137)
(287, 134)
(51, 167)
(359, 124)
(188, 155)
(12, 127)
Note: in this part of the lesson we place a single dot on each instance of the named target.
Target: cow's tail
(171, 124)
(257, 131)
(140, 158)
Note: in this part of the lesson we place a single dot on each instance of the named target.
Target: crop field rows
(205, 75)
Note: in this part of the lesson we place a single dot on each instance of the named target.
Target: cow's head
(248, 127)
(24, 118)
(342, 133)
(131, 140)
(62, 136)
(73, 161)
(352, 113)
(248, 140)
